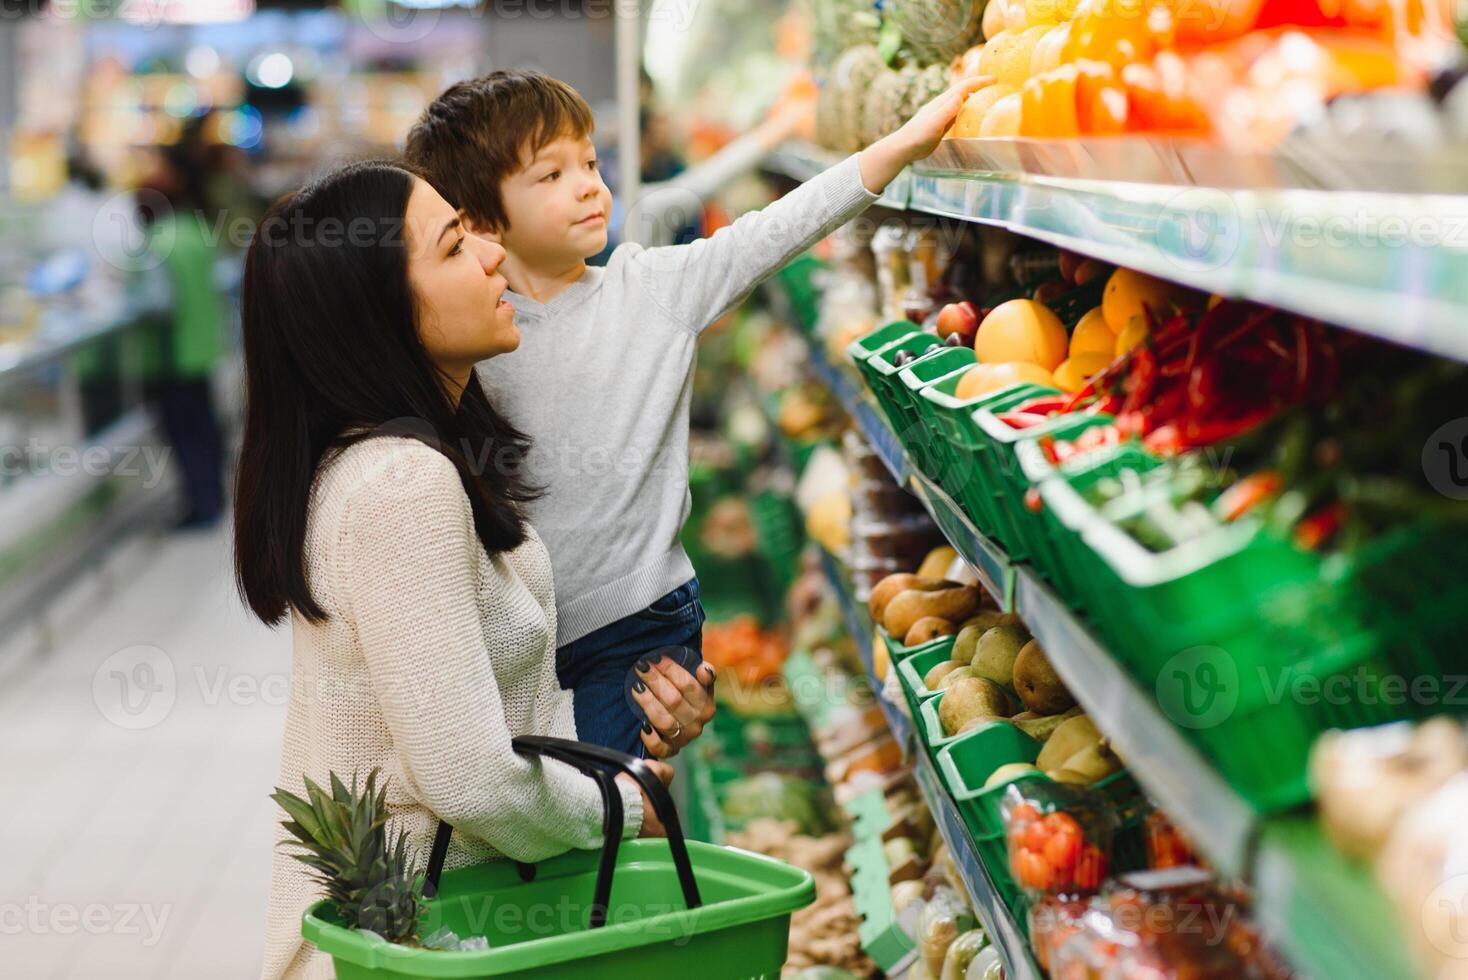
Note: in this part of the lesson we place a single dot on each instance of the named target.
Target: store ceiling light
(272, 70)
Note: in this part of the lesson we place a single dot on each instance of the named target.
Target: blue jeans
(595, 667)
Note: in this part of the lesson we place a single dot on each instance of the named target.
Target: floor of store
(144, 851)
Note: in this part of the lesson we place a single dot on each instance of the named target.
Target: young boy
(602, 379)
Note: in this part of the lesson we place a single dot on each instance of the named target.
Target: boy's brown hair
(480, 131)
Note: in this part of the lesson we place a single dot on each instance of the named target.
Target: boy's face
(557, 206)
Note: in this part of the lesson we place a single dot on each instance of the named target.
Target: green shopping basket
(675, 907)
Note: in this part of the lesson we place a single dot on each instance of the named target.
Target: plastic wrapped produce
(961, 953)
(946, 916)
(1424, 870)
(1059, 837)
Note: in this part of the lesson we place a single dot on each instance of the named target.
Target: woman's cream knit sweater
(433, 656)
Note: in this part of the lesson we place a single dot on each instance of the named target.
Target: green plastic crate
(899, 652)
(923, 443)
(882, 937)
(882, 373)
(741, 930)
(961, 479)
(911, 671)
(1066, 512)
(1032, 468)
(864, 347)
(1000, 473)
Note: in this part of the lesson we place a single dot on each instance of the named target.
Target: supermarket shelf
(1328, 915)
(1392, 265)
(801, 161)
(1171, 770)
(1175, 775)
(860, 626)
(20, 357)
(878, 433)
(998, 921)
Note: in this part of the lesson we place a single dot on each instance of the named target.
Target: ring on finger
(675, 732)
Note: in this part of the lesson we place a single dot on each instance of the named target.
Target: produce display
(1081, 68)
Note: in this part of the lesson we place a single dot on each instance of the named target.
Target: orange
(975, 107)
(1050, 52)
(1003, 117)
(1119, 32)
(1021, 330)
(1049, 109)
(1134, 334)
(1073, 373)
(968, 63)
(994, 51)
(1092, 335)
(1013, 65)
(1089, 269)
(984, 379)
(995, 14)
(1128, 292)
(1100, 99)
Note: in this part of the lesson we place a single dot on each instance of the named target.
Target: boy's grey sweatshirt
(601, 383)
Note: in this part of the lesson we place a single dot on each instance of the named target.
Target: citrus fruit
(1129, 292)
(1021, 330)
(1092, 335)
(1073, 373)
(996, 12)
(1049, 108)
(975, 108)
(1013, 66)
(1101, 106)
(993, 53)
(1003, 117)
(1134, 333)
(984, 379)
(1050, 52)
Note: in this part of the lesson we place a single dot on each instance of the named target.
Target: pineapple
(344, 840)
(930, 83)
(937, 30)
(853, 75)
(885, 104)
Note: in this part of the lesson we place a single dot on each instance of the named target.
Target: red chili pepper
(1033, 503)
(1248, 493)
(1097, 437)
(1303, 359)
(1047, 446)
(1165, 440)
(1197, 432)
(1141, 381)
(1022, 420)
(1044, 405)
(1321, 526)
(1131, 424)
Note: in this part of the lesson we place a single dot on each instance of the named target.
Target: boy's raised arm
(696, 283)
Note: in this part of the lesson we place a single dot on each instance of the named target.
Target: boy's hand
(918, 137)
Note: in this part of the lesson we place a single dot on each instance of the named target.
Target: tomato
(1032, 870)
(1062, 850)
(1059, 822)
(1034, 835)
(1090, 868)
(1023, 813)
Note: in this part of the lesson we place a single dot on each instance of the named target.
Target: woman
(376, 506)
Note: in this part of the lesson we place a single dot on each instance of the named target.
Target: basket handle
(601, 764)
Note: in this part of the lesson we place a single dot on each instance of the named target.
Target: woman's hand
(651, 825)
(881, 162)
(678, 705)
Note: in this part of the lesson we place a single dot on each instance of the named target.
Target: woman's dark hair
(333, 355)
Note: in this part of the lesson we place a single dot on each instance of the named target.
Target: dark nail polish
(642, 665)
(656, 658)
(646, 728)
(638, 686)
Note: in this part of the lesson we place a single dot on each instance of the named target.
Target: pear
(935, 565)
(954, 676)
(996, 652)
(1041, 727)
(928, 628)
(1095, 762)
(1037, 683)
(1067, 776)
(944, 600)
(966, 642)
(969, 698)
(1008, 771)
(886, 590)
(934, 677)
(1069, 737)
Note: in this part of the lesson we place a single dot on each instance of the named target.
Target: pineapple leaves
(342, 837)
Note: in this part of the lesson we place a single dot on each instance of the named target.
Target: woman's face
(463, 316)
